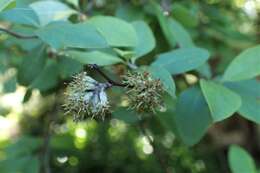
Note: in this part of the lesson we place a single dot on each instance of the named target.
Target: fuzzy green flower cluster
(85, 97)
(145, 93)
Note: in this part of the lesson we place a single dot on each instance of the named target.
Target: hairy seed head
(145, 93)
(85, 97)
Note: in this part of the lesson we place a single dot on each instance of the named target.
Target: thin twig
(156, 152)
(111, 81)
(18, 35)
(50, 118)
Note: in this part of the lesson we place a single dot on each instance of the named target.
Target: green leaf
(126, 54)
(128, 116)
(49, 11)
(73, 2)
(245, 66)
(23, 145)
(204, 70)
(10, 84)
(164, 24)
(222, 102)
(249, 91)
(25, 44)
(183, 15)
(94, 57)
(24, 3)
(240, 161)
(25, 16)
(166, 118)
(68, 67)
(128, 12)
(192, 115)
(5, 4)
(64, 35)
(31, 66)
(33, 166)
(180, 34)
(166, 79)
(182, 60)
(24, 164)
(48, 78)
(117, 32)
(146, 40)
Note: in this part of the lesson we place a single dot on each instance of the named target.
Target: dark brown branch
(112, 82)
(17, 35)
(156, 152)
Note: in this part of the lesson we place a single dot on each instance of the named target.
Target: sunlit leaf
(5, 4)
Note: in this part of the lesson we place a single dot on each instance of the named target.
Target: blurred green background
(36, 135)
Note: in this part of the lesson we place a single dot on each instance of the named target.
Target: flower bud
(145, 93)
(85, 97)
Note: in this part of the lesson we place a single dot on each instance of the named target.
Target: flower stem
(111, 81)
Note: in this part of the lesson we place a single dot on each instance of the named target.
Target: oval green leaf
(180, 34)
(182, 60)
(146, 40)
(24, 16)
(222, 102)
(245, 66)
(163, 22)
(249, 92)
(67, 35)
(240, 161)
(117, 32)
(49, 11)
(192, 116)
(94, 57)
